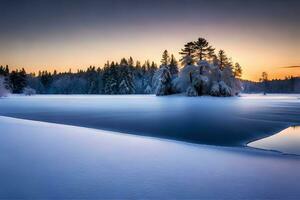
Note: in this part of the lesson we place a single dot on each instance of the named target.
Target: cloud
(291, 66)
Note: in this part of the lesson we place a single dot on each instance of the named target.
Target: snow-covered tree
(148, 90)
(124, 88)
(3, 90)
(191, 91)
(28, 91)
(200, 83)
(163, 81)
(110, 77)
(225, 90)
(215, 89)
(126, 85)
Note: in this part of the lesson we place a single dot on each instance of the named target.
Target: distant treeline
(288, 85)
(125, 77)
(118, 78)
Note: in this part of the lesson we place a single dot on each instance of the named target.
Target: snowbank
(43, 160)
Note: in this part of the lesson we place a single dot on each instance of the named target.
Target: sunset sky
(262, 35)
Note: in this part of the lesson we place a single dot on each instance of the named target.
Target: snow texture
(50, 161)
(201, 79)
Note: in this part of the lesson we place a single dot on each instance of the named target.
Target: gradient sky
(262, 35)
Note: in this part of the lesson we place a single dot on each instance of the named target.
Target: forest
(200, 71)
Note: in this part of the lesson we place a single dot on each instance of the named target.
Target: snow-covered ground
(233, 121)
(45, 160)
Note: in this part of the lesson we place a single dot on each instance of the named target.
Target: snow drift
(51, 161)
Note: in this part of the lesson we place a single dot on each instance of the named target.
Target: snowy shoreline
(46, 160)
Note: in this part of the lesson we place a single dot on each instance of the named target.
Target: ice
(231, 121)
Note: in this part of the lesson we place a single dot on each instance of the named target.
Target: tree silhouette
(188, 53)
(264, 80)
(211, 55)
(237, 70)
(201, 48)
(165, 60)
(173, 66)
(223, 60)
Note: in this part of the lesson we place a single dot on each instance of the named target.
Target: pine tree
(211, 55)
(17, 80)
(173, 66)
(202, 48)
(163, 81)
(237, 70)
(165, 58)
(4, 71)
(264, 79)
(110, 79)
(223, 60)
(130, 61)
(125, 78)
(188, 54)
(3, 89)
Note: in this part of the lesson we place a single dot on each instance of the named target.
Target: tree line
(200, 71)
(265, 85)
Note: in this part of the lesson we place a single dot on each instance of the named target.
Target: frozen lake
(206, 120)
(55, 160)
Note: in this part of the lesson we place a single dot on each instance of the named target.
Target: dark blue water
(232, 121)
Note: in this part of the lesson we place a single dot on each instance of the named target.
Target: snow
(231, 121)
(44, 160)
(3, 90)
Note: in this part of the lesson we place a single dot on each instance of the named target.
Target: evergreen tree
(237, 70)
(163, 81)
(173, 66)
(130, 61)
(110, 79)
(46, 80)
(4, 71)
(126, 78)
(3, 88)
(17, 80)
(211, 55)
(223, 60)
(202, 48)
(264, 79)
(165, 58)
(188, 54)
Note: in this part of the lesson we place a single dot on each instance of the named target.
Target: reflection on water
(286, 141)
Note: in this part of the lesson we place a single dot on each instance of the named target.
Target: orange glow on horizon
(254, 50)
